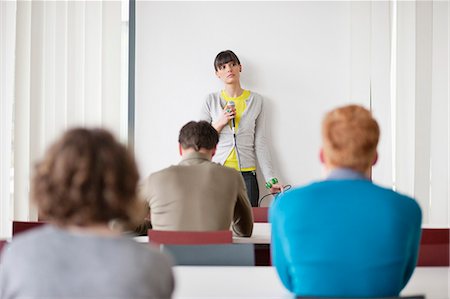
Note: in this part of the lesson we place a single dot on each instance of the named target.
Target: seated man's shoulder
(155, 179)
(313, 187)
(301, 193)
(219, 167)
(163, 172)
(397, 197)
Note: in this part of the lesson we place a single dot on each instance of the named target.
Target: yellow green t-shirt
(240, 106)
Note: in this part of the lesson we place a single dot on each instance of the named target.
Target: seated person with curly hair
(86, 181)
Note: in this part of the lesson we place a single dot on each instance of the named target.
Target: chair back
(212, 254)
(2, 245)
(260, 214)
(434, 247)
(21, 226)
(157, 237)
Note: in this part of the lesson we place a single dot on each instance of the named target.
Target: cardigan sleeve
(261, 145)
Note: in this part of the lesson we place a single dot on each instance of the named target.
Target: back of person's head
(350, 136)
(198, 135)
(224, 57)
(87, 177)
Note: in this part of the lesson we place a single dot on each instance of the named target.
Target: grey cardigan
(251, 138)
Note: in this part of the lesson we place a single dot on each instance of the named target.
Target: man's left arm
(243, 216)
(414, 245)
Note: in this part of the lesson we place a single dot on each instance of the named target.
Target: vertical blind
(422, 116)
(68, 71)
(7, 38)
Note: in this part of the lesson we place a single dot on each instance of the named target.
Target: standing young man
(241, 127)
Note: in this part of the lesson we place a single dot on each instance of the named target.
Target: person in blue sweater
(345, 236)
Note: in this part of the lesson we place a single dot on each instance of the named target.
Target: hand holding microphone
(229, 112)
(231, 109)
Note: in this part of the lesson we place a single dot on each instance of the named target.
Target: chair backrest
(189, 237)
(2, 245)
(434, 247)
(21, 226)
(212, 254)
(260, 214)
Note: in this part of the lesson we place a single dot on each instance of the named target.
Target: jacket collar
(194, 158)
(345, 174)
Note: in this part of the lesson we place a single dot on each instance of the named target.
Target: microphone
(231, 104)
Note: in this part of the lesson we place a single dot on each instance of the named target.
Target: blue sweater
(345, 238)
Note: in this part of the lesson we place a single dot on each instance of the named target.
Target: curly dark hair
(86, 178)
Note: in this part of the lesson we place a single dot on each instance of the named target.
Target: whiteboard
(302, 57)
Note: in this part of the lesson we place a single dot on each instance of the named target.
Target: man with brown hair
(197, 194)
(345, 236)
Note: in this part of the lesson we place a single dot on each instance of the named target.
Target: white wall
(306, 58)
(303, 57)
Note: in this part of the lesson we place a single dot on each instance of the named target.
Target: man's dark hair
(225, 57)
(198, 135)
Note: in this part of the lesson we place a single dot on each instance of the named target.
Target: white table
(261, 235)
(263, 283)
(228, 282)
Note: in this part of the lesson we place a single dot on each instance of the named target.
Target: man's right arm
(145, 224)
(278, 245)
